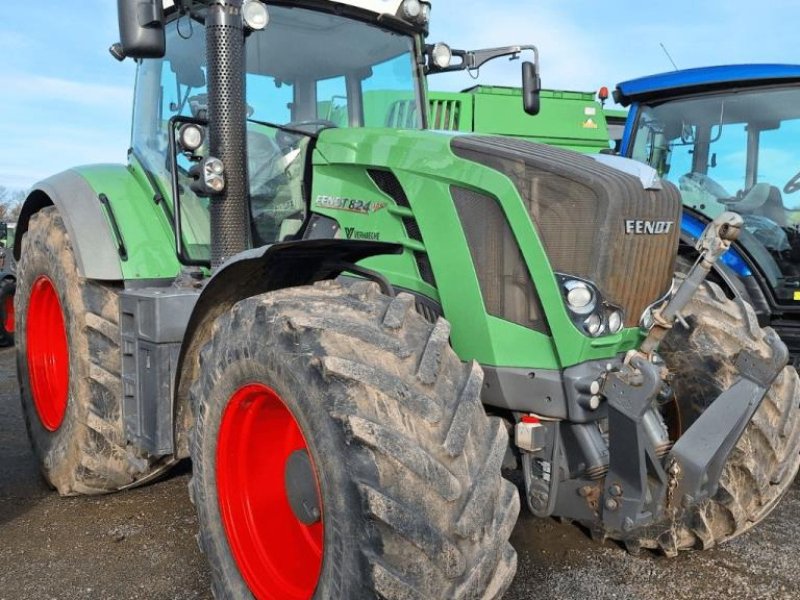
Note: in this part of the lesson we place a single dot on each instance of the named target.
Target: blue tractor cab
(727, 136)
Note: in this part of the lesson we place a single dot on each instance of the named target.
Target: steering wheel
(288, 139)
(793, 185)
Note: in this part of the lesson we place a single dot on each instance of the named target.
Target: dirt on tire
(87, 453)
(762, 466)
(409, 465)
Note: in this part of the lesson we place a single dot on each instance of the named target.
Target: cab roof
(704, 79)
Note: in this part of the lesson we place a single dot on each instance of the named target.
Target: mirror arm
(475, 59)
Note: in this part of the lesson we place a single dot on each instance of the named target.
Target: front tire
(401, 460)
(765, 461)
(68, 364)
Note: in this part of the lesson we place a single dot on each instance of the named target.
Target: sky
(65, 101)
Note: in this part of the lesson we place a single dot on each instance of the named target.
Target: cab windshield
(306, 71)
(736, 151)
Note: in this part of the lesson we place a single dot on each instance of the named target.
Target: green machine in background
(339, 312)
(568, 119)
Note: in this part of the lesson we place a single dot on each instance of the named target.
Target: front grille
(580, 208)
(388, 183)
(506, 285)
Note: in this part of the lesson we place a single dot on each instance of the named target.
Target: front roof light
(412, 9)
(255, 14)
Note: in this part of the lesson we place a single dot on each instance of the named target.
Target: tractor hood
(521, 211)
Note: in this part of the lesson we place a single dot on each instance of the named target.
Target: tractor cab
(307, 67)
(727, 137)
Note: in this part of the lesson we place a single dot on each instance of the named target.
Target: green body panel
(145, 230)
(426, 167)
(572, 120)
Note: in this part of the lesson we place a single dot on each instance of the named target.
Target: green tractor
(263, 288)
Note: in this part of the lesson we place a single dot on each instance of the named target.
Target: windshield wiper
(314, 135)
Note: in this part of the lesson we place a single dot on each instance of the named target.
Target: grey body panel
(77, 202)
(152, 323)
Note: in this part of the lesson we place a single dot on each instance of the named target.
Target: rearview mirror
(531, 88)
(141, 28)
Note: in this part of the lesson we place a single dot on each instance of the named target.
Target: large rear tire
(68, 362)
(395, 451)
(764, 463)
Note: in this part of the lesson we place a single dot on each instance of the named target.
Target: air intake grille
(389, 185)
(580, 208)
(445, 114)
(506, 284)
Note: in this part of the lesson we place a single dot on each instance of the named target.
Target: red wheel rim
(8, 307)
(48, 358)
(278, 556)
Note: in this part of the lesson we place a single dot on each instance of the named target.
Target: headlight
(412, 9)
(594, 325)
(615, 322)
(255, 15)
(190, 137)
(588, 310)
(580, 297)
(442, 55)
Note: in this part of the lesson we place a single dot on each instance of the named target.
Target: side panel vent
(506, 284)
(389, 185)
(403, 115)
(445, 114)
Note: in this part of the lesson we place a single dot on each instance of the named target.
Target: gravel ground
(140, 544)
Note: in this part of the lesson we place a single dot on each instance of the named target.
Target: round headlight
(255, 15)
(190, 137)
(647, 321)
(594, 325)
(442, 55)
(426, 13)
(615, 322)
(580, 296)
(412, 9)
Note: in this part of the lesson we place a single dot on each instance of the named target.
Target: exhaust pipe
(227, 115)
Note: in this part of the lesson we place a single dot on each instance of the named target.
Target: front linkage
(647, 479)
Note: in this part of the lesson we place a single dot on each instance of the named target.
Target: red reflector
(531, 419)
(603, 93)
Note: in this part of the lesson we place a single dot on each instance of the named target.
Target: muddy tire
(766, 459)
(400, 459)
(7, 321)
(68, 362)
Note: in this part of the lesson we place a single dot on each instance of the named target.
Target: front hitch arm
(715, 241)
(695, 463)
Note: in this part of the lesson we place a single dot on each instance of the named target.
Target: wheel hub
(268, 496)
(301, 488)
(47, 354)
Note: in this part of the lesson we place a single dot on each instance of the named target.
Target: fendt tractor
(727, 136)
(263, 288)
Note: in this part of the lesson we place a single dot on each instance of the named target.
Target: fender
(95, 250)
(116, 229)
(250, 273)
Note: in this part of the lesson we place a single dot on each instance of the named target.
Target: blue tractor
(727, 136)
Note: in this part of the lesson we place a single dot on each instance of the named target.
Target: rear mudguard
(116, 229)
